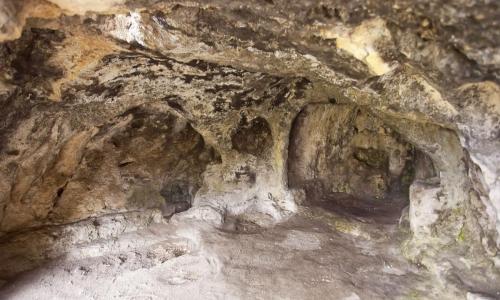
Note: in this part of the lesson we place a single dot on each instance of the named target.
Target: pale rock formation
(238, 113)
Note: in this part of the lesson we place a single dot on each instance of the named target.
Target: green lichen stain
(461, 235)
(413, 295)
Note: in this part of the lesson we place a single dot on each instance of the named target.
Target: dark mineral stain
(14, 112)
(173, 102)
(152, 58)
(202, 65)
(246, 173)
(240, 99)
(32, 60)
(188, 78)
(253, 137)
(280, 98)
(26, 59)
(300, 87)
(13, 152)
(223, 88)
(375, 84)
(137, 123)
(159, 17)
(106, 90)
(219, 104)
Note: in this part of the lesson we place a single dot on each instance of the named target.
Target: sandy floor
(314, 255)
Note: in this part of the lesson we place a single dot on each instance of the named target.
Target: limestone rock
(238, 113)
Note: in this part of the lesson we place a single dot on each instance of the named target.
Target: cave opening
(348, 161)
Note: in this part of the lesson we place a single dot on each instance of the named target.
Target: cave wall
(145, 101)
(125, 137)
(350, 152)
(142, 160)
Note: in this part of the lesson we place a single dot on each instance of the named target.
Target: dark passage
(350, 162)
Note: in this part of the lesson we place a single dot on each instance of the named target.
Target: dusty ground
(314, 255)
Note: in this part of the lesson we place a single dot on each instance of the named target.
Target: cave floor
(316, 254)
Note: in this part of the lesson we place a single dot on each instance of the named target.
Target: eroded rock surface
(238, 113)
(352, 161)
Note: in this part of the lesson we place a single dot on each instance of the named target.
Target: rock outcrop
(243, 110)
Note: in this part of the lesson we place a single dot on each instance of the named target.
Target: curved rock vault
(347, 148)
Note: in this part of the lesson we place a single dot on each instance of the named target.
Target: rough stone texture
(351, 159)
(111, 107)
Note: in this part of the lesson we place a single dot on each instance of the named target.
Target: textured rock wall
(113, 106)
(341, 153)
